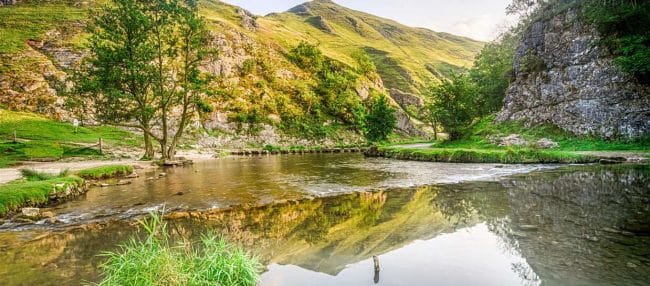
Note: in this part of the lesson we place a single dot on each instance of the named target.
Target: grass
(23, 22)
(41, 138)
(479, 138)
(478, 148)
(506, 156)
(105, 172)
(32, 175)
(32, 192)
(156, 261)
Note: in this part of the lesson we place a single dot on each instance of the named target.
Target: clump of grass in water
(156, 261)
(105, 172)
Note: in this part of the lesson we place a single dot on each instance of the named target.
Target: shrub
(381, 120)
(624, 27)
(157, 261)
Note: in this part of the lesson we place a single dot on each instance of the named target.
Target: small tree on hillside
(143, 72)
(452, 104)
(381, 120)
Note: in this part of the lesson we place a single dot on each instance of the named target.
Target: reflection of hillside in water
(573, 227)
(320, 234)
(585, 227)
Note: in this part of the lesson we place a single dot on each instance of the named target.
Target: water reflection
(262, 180)
(574, 226)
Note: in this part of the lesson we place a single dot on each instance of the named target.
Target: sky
(477, 19)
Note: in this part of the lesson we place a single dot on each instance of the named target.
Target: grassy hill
(257, 83)
(406, 57)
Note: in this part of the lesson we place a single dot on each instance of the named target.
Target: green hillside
(256, 84)
(406, 57)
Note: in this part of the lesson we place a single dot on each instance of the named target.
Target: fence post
(15, 139)
(101, 147)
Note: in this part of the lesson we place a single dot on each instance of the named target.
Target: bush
(624, 27)
(453, 104)
(156, 261)
(381, 121)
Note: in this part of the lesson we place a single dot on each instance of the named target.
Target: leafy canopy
(381, 120)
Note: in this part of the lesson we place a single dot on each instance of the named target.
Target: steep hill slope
(406, 57)
(259, 92)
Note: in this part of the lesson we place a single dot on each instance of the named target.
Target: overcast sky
(477, 19)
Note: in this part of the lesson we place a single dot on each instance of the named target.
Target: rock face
(406, 100)
(563, 77)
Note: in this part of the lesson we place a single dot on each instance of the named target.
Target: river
(328, 219)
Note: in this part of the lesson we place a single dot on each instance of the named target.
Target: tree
(143, 66)
(492, 72)
(381, 120)
(452, 105)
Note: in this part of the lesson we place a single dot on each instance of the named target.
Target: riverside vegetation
(39, 189)
(156, 260)
(157, 67)
(464, 104)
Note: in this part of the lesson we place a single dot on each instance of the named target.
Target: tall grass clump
(33, 175)
(105, 172)
(157, 261)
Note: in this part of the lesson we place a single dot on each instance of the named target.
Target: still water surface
(326, 220)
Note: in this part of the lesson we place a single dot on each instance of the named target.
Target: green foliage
(144, 62)
(452, 103)
(504, 156)
(478, 138)
(33, 175)
(307, 57)
(532, 63)
(381, 120)
(157, 261)
(22, 193)
(333, 97)
(624, 26)
(248, 66)
(105, 172)
(365, 65)
(492, 73)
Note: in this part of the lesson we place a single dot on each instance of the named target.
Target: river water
(328, 219)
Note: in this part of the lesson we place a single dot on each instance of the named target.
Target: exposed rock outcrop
(406, 100)
(563, 77)
(247, 20)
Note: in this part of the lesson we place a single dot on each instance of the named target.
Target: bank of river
(320, 220)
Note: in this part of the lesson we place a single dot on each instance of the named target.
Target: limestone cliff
(563, 77)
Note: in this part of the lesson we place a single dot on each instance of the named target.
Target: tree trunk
(435, 131)
(149, 152)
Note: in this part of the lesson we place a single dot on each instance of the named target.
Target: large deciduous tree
(143, 68)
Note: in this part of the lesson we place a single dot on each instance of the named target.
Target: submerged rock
(47, 214)
(31, 212)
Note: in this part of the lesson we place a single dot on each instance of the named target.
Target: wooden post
(377, 269)
(101, 147)
(15, 139)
